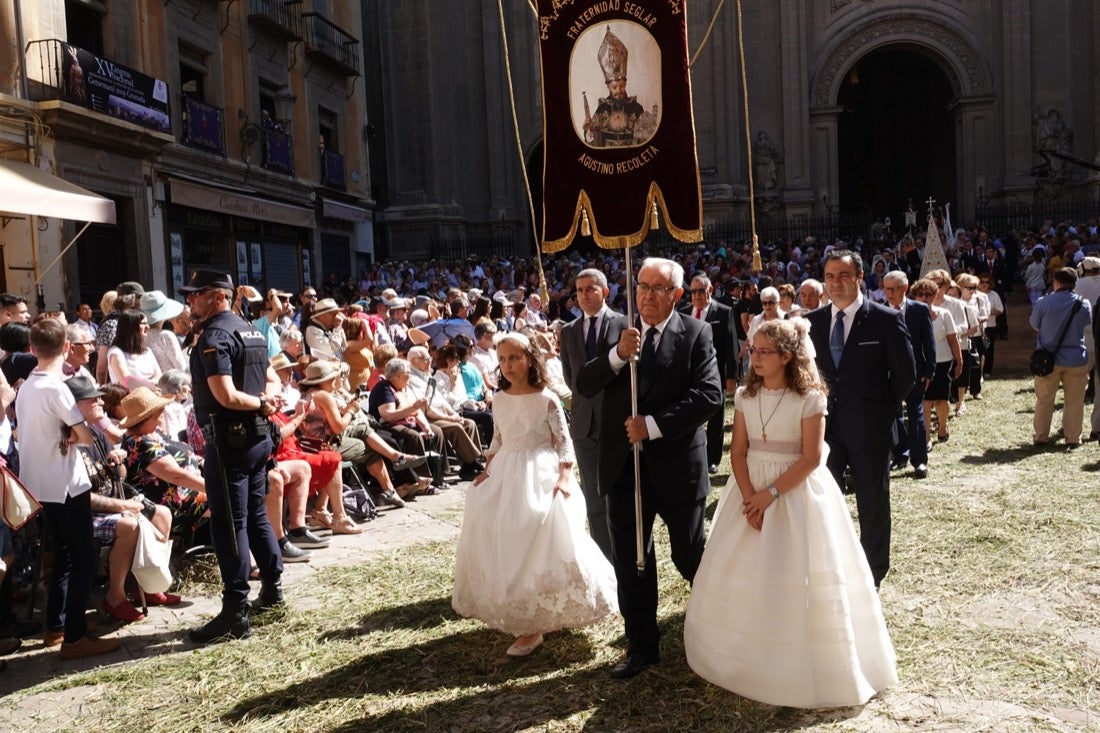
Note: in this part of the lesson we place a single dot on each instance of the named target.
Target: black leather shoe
(270, 598)
(898, 464)
(632, 665)
(231, 623)
(921, 471)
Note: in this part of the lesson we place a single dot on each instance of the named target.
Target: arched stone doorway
(895, 133)
(911, 37)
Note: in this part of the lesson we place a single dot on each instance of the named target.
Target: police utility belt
(237, 429)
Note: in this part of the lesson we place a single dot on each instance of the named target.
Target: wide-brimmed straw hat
(141, 404)
(281, 361)
(321, 371)
(324, 305)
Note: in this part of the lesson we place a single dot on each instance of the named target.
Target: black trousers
(871, 475)
(716, 433)
(70, 584)
(236, 490)
(638, 595)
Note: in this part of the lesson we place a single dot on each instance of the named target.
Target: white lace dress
(787, 615)
(525, 563)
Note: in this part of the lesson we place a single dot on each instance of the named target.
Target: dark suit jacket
(585, 412)
(721, 319)
(918, 319)
(876, 372)
(682, 391)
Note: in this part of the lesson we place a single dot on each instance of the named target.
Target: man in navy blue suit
(911, 443)
(864, 355)
(727, 349)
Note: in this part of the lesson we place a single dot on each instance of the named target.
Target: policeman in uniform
(234, 391)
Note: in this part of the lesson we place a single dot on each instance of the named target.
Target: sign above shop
(236, 204)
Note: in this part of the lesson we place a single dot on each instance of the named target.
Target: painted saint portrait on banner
(601, 59)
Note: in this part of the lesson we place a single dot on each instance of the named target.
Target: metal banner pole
(637, 447)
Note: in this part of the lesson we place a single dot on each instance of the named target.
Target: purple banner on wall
(113, 89)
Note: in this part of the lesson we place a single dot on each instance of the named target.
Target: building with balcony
(227, 135)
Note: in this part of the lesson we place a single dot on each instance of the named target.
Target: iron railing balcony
(330, 44)
(203, 125)
(278, 151)
(281, 18)
(332, 170)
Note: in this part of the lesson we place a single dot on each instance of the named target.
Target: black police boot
(231, 623)
(270, 598)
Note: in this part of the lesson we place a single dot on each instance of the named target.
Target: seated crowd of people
(389, 379)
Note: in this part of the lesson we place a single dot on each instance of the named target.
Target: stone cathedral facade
(856, 106)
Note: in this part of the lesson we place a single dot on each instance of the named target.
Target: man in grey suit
(581, 340)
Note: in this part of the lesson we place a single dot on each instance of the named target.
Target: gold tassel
(654, 222)
(586, 226)
(757, 266)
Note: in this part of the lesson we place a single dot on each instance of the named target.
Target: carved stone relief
(910, 28)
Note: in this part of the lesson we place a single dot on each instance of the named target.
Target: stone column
(825, 166)
(1017, 101)
(975, 127)
(798, 194)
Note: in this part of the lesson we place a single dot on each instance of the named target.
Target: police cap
(206, 280)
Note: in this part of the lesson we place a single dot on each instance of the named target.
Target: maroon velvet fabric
(616, 182)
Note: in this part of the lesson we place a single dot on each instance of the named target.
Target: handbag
(18, 505)
(151, 559)
(1042, 360)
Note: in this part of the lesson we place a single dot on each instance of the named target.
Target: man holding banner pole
(678, 389)
(607, 175)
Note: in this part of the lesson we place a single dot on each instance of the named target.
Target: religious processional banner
(618, 131)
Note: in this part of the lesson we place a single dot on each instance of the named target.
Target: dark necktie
(646, 359)
(649, 348)
(836, 339)
(590, 339)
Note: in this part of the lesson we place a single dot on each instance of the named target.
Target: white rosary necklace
(760, 412)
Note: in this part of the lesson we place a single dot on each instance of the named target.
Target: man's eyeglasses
(769, 302)
(85, 344)
(697, 291)
(646, 288)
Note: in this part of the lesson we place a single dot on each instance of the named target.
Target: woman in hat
(337, 421)
(130, 362)
(160, 309)
(164, 471)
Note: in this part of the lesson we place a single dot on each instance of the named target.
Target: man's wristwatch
(263, 405)
(774, 492)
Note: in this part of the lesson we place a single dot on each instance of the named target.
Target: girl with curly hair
(783, 609)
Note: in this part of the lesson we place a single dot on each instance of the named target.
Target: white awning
(32, 191)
